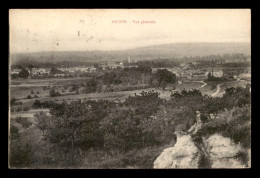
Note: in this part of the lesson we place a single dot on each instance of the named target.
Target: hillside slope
(150, 52)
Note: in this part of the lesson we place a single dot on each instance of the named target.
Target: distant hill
(149, 52)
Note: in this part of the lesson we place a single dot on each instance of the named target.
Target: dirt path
(203, 84)
(219, 87)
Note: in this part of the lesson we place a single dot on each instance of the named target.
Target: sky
(36, 30)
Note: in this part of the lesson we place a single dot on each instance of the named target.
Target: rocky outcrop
(184, 154)
(222, 153)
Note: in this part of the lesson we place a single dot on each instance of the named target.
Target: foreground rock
(222, 153)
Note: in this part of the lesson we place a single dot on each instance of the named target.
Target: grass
(136, 159)
(23, 92)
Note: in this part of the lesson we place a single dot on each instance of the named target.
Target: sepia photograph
(129, 89)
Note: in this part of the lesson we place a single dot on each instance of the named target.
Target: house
(235, 71)
(155, 69)
(179, 82)
(244, 75)
(199, 74)
(114, 65)
(218, 73)
(186, 74)
(92, 69)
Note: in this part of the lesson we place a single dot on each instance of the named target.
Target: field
(21, 89)
(21, 92)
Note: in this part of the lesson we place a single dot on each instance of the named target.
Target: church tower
(129, 58)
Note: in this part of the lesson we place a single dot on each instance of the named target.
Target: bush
(24, 122)
(12, 101)
(23, 74)
(29, 97)
(35, 96)
(36, 104)
(243, 157)
(14, 76)
(135, 131)
(20, 156)
(204, 162)
(18, 109)
(54, 93)
(185, 93)
(26, 109)
(42, 121)
(14, 132)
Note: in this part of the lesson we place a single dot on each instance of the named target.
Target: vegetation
(23, 73)
(13, 101)
(46, 104)
(55, 71)
(24, 122)
(164, 76)
(216, 79)
(54, 93)
(134, 132)
(20, 155)
(14, 132)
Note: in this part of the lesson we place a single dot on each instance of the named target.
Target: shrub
(36, 104)
(243, 157)
(204, 162)
(14, 76)
(42, 122)
(18, 109)
(54, 93)
(185, 93)
(123, 133)
(20, 156)
(13, 101)
(26, 109)
(23, 74)
(24, 122)
(29, 97)
(14, 132)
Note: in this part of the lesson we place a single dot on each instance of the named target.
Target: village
(197, 70)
